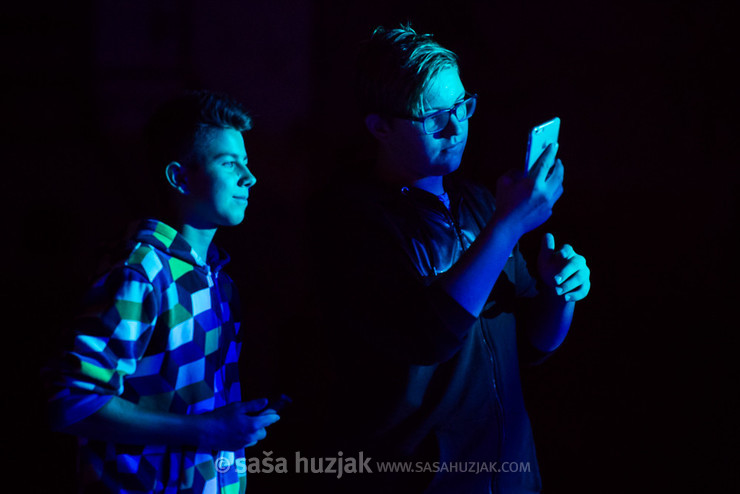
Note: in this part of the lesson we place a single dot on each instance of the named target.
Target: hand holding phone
(540, 137)
(278, 403)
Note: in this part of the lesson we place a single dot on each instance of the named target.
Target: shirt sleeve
(106, 342)
(526, 290)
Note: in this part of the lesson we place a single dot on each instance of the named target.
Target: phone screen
(540, 137)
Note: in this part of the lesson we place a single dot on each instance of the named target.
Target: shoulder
(149, 262)
(472, 197)
(470, 189)
(140, 267)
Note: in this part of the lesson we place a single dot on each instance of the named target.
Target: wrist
(507, 227)
(549, 293)
(200, 429)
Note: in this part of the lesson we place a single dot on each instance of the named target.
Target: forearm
(471, 279)
(548, 320)
(121, 421)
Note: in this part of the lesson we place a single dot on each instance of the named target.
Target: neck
(199, 238)
(435, 185)
(390, 171)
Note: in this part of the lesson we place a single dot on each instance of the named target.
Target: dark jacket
(418, 378)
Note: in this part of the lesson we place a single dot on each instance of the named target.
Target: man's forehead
(223, 141)
(444, 90)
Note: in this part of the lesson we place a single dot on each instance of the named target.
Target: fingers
(555, 180)
(550, 180)
(239, 424)
(558, 172)
(559, 266)
(257, 436)
(562, 269)
(573, 281)
(576, 288)
(548, 242)
(543, 164)
(258, 427)
(571, 263)
(261, 421)
(566, 251)
(254, 405)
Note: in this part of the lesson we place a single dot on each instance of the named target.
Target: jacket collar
(165, 238)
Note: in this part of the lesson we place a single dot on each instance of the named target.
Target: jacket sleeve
(526, 290)
(106, 343)
(376, 297)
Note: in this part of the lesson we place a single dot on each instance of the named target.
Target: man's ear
(176, 177)
(378, 126)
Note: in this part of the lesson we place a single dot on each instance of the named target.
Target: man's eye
(438, 119)
(230, 164)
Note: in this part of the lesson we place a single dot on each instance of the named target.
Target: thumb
(254, 405)
(548, 242)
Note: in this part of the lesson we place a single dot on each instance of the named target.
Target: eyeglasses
(437, 121)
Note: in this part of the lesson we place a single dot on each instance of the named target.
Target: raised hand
(563, 270)
(525, 201)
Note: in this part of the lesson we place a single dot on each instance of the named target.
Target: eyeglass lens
(437, 122)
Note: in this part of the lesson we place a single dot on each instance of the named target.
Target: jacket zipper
(492, 358)
(499, 407)
(215, 289)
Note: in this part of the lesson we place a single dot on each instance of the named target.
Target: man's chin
(232, 220)
(446, 168)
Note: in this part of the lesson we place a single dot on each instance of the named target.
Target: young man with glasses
(432, 307)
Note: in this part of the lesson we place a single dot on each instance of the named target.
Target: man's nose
(454, 126)
(247, 179)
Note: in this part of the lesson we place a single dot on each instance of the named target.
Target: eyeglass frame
(449, 112)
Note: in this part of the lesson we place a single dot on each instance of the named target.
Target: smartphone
(540, 137)
(278, 403)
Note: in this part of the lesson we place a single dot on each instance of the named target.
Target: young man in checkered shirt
(149, 381)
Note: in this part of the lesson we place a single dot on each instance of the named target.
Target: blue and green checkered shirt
(160, 329)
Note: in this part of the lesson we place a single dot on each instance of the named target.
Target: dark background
(642, 395)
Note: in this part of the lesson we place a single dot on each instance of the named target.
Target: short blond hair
(394, 67)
